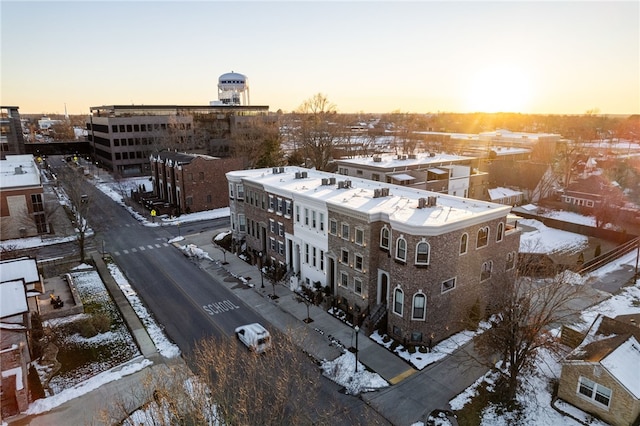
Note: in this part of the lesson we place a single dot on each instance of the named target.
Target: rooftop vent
(427, 202)
(377, 159)
(413, 156)
(325, 181)
(332, 181)
(18, 171)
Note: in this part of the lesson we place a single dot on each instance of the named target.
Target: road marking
(141, 248)
(220, 307)
(158, 246)
(117, 253)
(125, 251)
(165, 244)
(133, 250)
(150, 247)
(400, 377)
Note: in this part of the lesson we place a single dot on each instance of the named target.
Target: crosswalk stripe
(117, 253)
(133, 250)
(158, 246)
(141, 248)
(125, 251)
(150, 246)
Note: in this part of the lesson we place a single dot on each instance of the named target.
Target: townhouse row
(425, 262)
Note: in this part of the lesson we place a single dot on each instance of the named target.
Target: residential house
(421, 260)
(21, 198)
(190, 183)
(14, 347)
(601, 376)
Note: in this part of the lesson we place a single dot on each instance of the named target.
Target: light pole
(357, 329)
(261, 275)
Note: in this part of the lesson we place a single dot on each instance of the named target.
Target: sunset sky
(545, 57)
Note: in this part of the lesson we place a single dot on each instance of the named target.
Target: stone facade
(623, 410)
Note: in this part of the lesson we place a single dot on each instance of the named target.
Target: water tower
(233, 89)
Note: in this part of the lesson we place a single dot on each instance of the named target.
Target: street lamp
(261, 275)
(357, 329)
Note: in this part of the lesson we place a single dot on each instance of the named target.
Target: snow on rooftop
(392, 161)
(13, 299)
(19, 171)
(400, 208)
(25, 268)
(497, 193)
(619, 361)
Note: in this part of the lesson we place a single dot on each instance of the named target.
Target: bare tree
(524, 311)
(260, 143)
(315, 131)
(79, 203)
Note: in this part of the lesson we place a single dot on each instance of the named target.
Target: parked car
(254, 336)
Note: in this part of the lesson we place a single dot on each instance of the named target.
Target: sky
(547, 57)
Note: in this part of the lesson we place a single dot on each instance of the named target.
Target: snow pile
(191, 250)
(342, 371)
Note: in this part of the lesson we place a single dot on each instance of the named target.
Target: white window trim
(413, 305)
(398, 247)
(384, 228)
(443, 290)
(428, 253)
(393, 308)
(466, 246)
(592, 398)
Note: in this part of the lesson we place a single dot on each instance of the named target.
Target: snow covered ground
(535, 398)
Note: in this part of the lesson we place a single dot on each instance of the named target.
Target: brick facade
(362, 274)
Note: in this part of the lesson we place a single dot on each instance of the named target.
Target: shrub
(423, 349)
(411, 349)
(101, 322)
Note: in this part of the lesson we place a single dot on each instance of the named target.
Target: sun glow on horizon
(500, 88)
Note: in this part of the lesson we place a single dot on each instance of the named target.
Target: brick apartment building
(422, 260)
(21, 198)
(191, 183)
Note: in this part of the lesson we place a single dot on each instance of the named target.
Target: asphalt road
(185, 300)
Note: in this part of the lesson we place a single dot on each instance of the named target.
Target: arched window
(463, 243)
(384, 238)
(419, 306)
(500, 232)
(398, 301)
(483, 237)
(511, 260)
(486, 270)
(401, 249)
(422, 253)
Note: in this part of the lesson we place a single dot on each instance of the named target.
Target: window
(419, 303)
(242, 223)
(272, 203)
(416, 336)
(500, 232)
(321, 222)
(358, 262)
(375, 177)
(401, 249)
(280, 247)
(313, 219)
(314, 256)
(448, 285)
(422, 253)
(240, 186)
(486, 270)
(398, 301)
(594, 391)
(272, 243)
(345, 257)
(357, 285)
(345, 231)
(287, 208)
(306, 254)
(280, 205)
(272, 226)
(511, 260)
(230, 190)
(321, 260)
(384, 238)
(208, 198)
(463, 243)
(333, 227)
(483, 237)
(298, 214)
(189, 201)
(36, 203)
(306, 216)
(281, 229)
(344, 279)
(359, 236)
(263, 201)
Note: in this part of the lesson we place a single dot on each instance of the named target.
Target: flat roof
(13, 299)
(19, 171)
(24, 268)
(389, 161)
(399, 208)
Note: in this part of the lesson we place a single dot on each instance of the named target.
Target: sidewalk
(323, 338)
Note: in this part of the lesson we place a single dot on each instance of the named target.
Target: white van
(254, 336)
